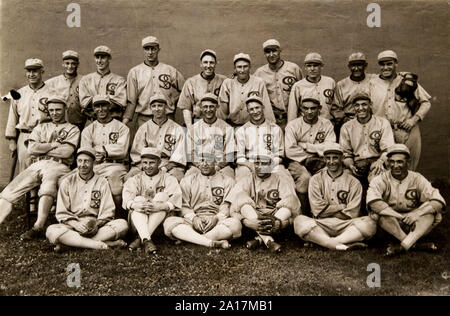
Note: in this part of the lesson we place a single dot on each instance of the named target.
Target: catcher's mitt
(404, 92)
(400, 135)
(269, 225)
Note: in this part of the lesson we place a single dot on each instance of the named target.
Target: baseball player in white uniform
(404, 202)
(313, 85)
(67, 86)
(305, 139)
(205, 211)
(150, 196)
(235, 91)
(164, 134)
(207, 81)
(148, 79)
(391, 105)
(279, 76)
(85, 210)
(103, 82)
(265, 202)
(365, 140)
(359, 81)
(211, 135)
(50, 147)
(110, 140)
(335, 198)
(28, 111)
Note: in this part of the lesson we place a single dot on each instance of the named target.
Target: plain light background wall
(416, 30)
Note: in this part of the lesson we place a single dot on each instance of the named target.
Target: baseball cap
(150, 41)
(333, 148)
(209, 97)
(360, 96)
(311, 99)
(271, 42)
(208, 52)
(87, 151)
(102, 50)
(99, 98)
(355, 57)
(313, 58)
(70, 54)
(241, 56)
(33, 63)
(56, 99)
(158, 97)
(398, 149)
(150, 152)
(387, 55)
(254, 98)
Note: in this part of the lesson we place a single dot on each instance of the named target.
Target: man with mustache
(305, 139)
(365, 140)
(212, 135)
(335, 198)
(342, 109)
(103, 82)
(162, 133)
(110, 139)
(205, 212)
(85, 210)
(279, 76)
(197, 86)
(28, 111)
(235, 91)
(150, 196)
(405, 203)
(50, 146)
(313, 85)
(389, 104)
(66, 85)
(148, 79)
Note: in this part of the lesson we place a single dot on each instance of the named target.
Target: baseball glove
(400, 135)
(269, 225)
(404, 92)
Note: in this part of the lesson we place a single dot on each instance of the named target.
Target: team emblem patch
(342, 196)
(111, 88)
(268, 140)
(272, 197)
(320, 137)
(289, 82)
(216, 91)
(62, 135)
(253, 93)
(165, 81)
(113, 137)
(169, 142)
(219, 140)
(43, 105)
(412, 197)
(217, 193)
(95, 198)
(376, 137)
(329, 94)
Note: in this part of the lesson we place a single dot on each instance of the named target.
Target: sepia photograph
(224, 153)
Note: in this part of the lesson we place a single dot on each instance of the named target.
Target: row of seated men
(263, 194)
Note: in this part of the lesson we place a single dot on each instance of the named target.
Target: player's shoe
(31, 234)
(149, 246)
(224, 244)
(356, 246)
(117, 244)
(426, 246)
(253, 244)
(135, 244)
(273, 246)
(393, 250)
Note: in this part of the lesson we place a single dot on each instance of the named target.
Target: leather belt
(24, 131)
(49, 158)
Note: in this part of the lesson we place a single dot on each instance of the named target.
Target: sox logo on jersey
(95, 198)
(289, 82)
(217, 193)
(412, 197)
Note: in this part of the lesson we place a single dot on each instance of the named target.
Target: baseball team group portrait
(223, 148)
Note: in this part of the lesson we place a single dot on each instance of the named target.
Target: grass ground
(33, 269)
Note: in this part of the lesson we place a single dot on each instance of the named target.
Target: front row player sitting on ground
(50, 146)
(265, 201)
(85, 210)
(335, 198)
(404, 202)
(149, 196)
(206, 208)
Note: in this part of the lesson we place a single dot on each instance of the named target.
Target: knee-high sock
(391, 225)
(219, 232)
(5, 209)
(45, 205)
(423, 225)
(318, 236)
(140, 222)
(187, 233)
(105, 233)
(351, 234)
(73, 239)
(154, 220)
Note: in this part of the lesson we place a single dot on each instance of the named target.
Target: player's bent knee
(170, 223)
(303, 225)
(55, 231)
(366, 225)
(234, 225)
(119, 226)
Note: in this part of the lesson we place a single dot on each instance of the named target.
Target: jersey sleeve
(293, 103)
(13, 120)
